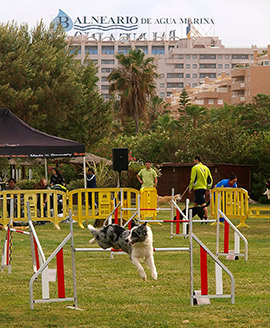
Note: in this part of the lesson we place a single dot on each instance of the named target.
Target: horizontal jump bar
(164, 221)
(20, 231)
(120, 250)
(233, 254)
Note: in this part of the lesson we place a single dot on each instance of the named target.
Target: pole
(84, 172)
(46, 168)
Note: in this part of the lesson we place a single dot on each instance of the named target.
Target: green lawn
(112, 295)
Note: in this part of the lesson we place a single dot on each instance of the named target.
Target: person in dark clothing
(57, 177)
(42, 184)
(91, 183)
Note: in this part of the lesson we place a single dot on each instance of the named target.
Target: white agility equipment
(38, 257)
(50, 275)
(235, 253)
(196, 297)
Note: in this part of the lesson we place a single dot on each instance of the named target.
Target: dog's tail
(92, 229)
(207, 204)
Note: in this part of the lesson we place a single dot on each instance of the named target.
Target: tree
(195, 112)
(184, 100)
(42, 83)
(155, 108)
(134, 81)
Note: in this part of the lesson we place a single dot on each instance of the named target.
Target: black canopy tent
(18, 139)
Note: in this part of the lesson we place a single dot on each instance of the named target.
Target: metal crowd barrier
(234, 204)
(45, 205)
(99, 203)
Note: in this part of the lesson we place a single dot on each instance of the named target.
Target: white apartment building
(180, 62)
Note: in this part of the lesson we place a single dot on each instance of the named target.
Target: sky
(238, 23)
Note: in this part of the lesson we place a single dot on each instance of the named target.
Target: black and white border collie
(138, 243)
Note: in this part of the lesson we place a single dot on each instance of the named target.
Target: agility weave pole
(230, 254)
(48, 276)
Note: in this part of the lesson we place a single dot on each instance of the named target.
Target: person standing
(91, 183)
(57, 178)
(147, 176)
(200, 181)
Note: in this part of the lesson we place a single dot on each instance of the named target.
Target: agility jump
(195, 296)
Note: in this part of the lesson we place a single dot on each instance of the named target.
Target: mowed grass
(111, 293)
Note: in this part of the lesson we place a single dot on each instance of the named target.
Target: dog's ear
(144, 224)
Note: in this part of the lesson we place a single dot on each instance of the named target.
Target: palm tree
(134, 81)
(195, 112)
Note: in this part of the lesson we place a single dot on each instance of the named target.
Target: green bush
(26, 184)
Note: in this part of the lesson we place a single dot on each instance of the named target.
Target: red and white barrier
(237, 236)
(50, 275)
(199, 297)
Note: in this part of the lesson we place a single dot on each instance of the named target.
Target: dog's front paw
(143, 276)
(92, 241)
(154, 275)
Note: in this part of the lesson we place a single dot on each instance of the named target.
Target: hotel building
(180, 62)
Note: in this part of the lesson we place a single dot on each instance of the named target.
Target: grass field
(113, 296)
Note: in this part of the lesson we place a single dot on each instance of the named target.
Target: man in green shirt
(200, 181)
(147, 176)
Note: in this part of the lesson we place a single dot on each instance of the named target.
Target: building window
(162, 94)
(239, 56)
(227, 66)
(143, 48)
(180, 56)
(169, 94)
(207, 65)
(211, 101)
(104, 78)
(104, 87)
(188, 76)
(179, 66)
(195, 76)
(187, 66)
(210, 75)
(107, 61)
(220, 66)
(194, 66)
(175, 85)
(199, 102)
(194, 85)
(158, 50)
(220, 101)
(194, 56)
(175, 75)
(207, 56)
(220, 56)
(162, 85)
(227, 56)
(162, 76)
(187, 56)
(107, 50)
(91, 50)
(106, 70)
(75, 49)
(106, 96)
(123, 49)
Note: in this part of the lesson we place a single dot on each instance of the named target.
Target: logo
(64, 20)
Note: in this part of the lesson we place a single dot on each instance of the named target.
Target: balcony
(236, 100)
(238, 86)
(237, 72)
